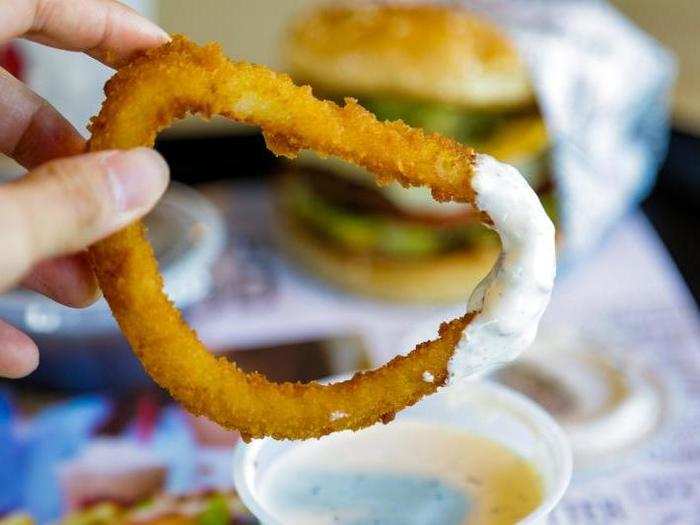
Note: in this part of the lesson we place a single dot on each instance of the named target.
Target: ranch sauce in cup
(436, 475)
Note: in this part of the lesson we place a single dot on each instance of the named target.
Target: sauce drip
(513, 296)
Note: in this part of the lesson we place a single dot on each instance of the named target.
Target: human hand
(48, 217)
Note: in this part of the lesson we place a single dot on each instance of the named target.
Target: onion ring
(181, 77)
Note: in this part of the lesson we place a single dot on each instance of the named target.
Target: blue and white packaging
(603, 86)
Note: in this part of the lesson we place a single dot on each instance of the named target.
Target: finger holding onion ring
(181, 78)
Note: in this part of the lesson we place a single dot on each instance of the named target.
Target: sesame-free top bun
(431, 52)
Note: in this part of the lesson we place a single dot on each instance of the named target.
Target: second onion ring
(180, 78)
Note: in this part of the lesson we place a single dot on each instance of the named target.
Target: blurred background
(303, 270)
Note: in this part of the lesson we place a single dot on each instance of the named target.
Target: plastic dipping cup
(482, 409)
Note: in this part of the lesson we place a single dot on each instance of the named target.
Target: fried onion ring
(180, 78)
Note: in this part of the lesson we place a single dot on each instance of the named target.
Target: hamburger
(437, 67)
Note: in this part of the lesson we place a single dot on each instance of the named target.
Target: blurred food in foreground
(95, 476)
(435, 67)
(199, 508)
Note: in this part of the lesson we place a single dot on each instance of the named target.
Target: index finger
(104, 29)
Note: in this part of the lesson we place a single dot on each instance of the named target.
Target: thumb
(67, 204)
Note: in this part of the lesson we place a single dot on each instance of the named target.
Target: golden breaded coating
(181, 77)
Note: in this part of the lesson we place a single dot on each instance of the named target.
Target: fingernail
(137, 178)
(152, 29)
(137, 22)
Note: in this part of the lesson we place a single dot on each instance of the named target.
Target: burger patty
(377, 234)
(358, 219)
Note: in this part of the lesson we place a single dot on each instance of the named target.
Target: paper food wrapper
(603, 86)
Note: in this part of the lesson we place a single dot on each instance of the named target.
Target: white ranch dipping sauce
(513, 296)
(406, 473)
